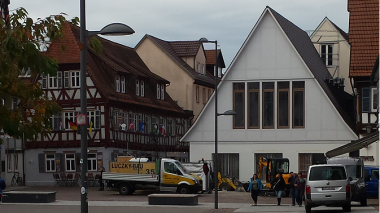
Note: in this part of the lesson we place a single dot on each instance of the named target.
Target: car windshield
(328, 173)
(181, 167)
(354, 171)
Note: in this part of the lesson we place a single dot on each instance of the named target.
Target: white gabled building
(277, 85)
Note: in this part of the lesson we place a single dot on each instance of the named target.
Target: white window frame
(142, 87)
(374, 91)
(137, 87)
(70, 162)
(51, 160)
(117, 82)
(92, 165)
(162, 91)
(69, 115)
(52, 82)
(97, 123)
(66, 79)
(199, 68)
(158, 91)
(56, 122)
(44, 81)
(75, 79)
(203, 69)
(122, 84)
(59, 79)
(326, 58)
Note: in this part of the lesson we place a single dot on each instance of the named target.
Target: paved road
(68, 200)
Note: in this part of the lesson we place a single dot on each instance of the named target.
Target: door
(171, 176)
(372, 181)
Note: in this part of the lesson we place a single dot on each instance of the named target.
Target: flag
(155, 129)
(90, 129)
(163, 130)
(131, 126)
(73, 126)
(141, 126)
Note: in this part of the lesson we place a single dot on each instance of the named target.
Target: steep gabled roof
(178, 49)
(210, 58)
(341, 32)
(310, 56)
(364, 36)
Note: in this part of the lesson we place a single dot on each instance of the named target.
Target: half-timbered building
(128, 111)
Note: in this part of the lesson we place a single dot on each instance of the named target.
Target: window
(50, 162)
(66, 77)
(52, 82)
(228, 164)
(375, 100)
(59, 79)
(97, 124)
(283, 104)
(197, 94)
(91, 162)
(15, 162)
(327, 173)
(170, 167)
(199, 68)
(69, 116)
(94, 117)
(366, 99)
(327, 54)
(203, 69)
(9, 163)
(253, 104)
(122, 84)
(307, 159)
(162, 92)
(117, 83)
(148, 127)
(44, 81)
(298, 104)
(239, 105)
(70, 162)
(75, 79)
(219, 72)
(142, 87)
(204, 95)
(56, 122)
(158, 91)
(137, 87)
(268, 105)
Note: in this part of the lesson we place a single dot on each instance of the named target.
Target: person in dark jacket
(101, 179)
(279, 187)
(299, 183)
(291, 179)
(2, 187)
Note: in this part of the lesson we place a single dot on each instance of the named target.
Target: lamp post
(111, 29)
(229, 112)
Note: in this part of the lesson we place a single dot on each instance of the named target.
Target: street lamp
(111, 29)
(229, 112)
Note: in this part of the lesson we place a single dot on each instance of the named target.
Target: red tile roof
(363, 36)
(185, 48)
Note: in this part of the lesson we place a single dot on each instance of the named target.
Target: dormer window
(203, 69)
(162, 92)
(142, 89)
(117, 79)
(199, 68)
(123, 84)
(137, 87)
(158, 91)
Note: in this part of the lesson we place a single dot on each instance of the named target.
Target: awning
(354, 145)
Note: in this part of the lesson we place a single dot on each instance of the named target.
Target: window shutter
(77, 162)
(59, 78)
(41, 163)
(44, 82)
(66, 77)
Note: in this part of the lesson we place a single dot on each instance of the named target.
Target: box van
(327, 185)
(371, 177)
(355, 170)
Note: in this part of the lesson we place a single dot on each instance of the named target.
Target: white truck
(128, 175)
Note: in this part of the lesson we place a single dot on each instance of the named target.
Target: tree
(25, 110)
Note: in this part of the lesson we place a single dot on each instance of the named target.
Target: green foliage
(22, 40)
(96, 45)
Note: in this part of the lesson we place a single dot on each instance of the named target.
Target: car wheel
(363, 201)
(183, 189)
(308, 209)
(347, 208)
(125, 189)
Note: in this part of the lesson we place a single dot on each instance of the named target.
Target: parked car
(328, 185)
(371, 177)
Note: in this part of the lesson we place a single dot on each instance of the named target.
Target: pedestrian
(255, 186)
(279, 187)
(2, 187)
(292, 187)
(299, 183)
(101, 179)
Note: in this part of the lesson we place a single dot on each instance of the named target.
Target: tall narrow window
(375, 99)
(91, 162)
(199, 68)
(137, 87)
(97, 119)
(204, 95)
(70, 162)
(298, 104)
(197, 94)
(254, 106)
(158, 91)
(122, 84)
(66, 77)
(142, 88)
(59, 79)
(203, 69)
(239, 103)
(15, 161)
(366, 94)
(117, 83)
(75, 78)
(162, 91)
(44, 81)
(9, 163)
(268, 105)
(50, 162)
(327, 54)
(53, 82)
(283, 104)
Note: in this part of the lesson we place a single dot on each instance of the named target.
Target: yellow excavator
(225, 183)
(273, 167)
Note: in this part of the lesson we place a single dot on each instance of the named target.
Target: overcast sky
(228, 21)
